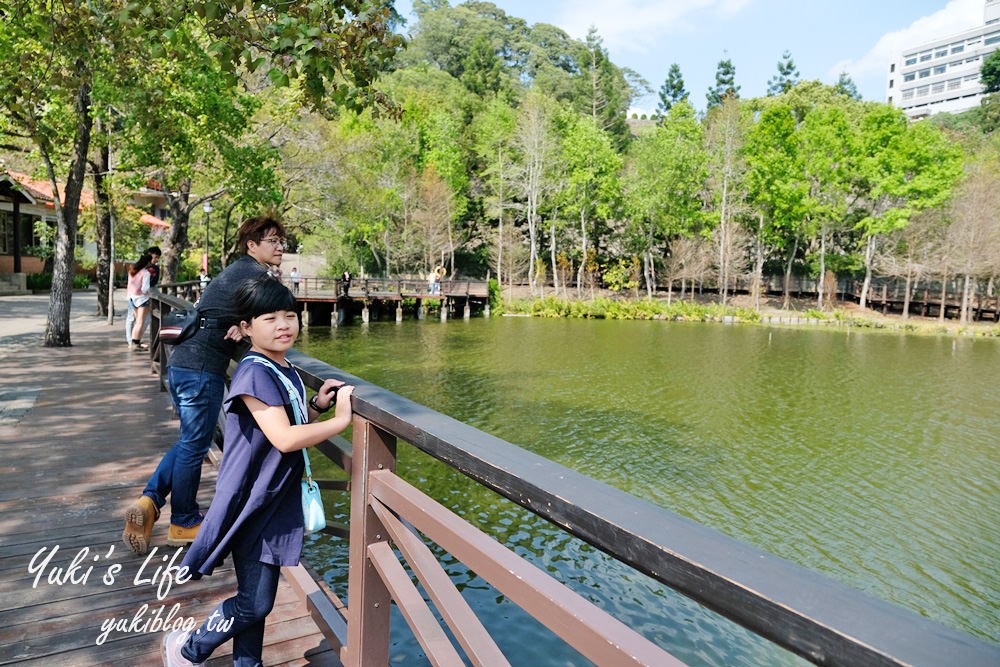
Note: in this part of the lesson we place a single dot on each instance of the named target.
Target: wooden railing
(815, 617)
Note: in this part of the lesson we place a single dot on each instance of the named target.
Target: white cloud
(635, 25)
(871, 68)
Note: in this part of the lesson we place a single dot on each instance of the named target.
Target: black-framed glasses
(276, 242)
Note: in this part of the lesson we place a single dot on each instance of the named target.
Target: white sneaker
(171, 650)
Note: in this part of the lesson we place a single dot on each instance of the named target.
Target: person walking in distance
(196, 376)
(138, 300)
(154, 276)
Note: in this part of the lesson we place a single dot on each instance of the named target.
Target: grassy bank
(802, 315)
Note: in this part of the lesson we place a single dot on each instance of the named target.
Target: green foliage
(725, 84)
(786, 78)
(495, 296)
(672, 91)
(43, 281)
(622, 275)
(627, 309)
(989, 73)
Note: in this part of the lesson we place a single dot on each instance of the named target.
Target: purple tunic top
(257, 509)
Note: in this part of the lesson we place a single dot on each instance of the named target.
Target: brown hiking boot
(178, 536)
(139, 520)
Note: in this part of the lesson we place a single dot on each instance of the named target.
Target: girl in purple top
(256, 515)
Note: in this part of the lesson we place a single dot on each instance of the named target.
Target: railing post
(368, 608)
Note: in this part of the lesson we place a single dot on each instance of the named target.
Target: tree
(493, 130)
(901, 169)
(62, 61)
(974, 232)
(989, 73)
(776, 188)
(672, 91)
(725, 136)
(605, 94)
(845, 86)
(537, 146)
(665, 176)
(827, 147)
(787, 76)
(482, 70)
(592, 186)
(725, 84)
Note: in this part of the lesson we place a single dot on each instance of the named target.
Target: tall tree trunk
(758, 265)
(103, 231)
(552, 256)
(944, 295)
(583, 257)
(67, 214)
(963, 317)
(500, 207)
(906, 297)
(647, 269)
(787, 300)
(866, 285)
(822, 267)
(178, 239)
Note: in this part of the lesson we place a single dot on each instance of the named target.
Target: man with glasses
(197, 376)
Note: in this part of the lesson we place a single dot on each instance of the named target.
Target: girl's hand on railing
(327, 394)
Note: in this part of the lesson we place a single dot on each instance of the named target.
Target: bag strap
(293, 396)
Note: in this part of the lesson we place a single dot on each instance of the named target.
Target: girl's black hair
(259, 296)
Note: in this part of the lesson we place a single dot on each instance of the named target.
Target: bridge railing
(391, 521)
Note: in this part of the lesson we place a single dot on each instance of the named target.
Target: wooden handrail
(813, 616)
(809, 614)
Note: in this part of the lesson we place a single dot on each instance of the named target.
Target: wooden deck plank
(69, 467)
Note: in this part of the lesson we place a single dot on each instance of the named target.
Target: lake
(873, 458)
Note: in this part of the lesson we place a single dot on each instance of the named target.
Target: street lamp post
(207, 207)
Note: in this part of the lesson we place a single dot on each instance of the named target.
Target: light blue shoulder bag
(313, 514)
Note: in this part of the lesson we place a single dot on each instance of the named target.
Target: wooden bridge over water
(330, 301)
(93, 422)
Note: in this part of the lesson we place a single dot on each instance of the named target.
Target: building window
(923, 91)
(892, 67)
(937, 88)
(939, 69)
(925, 56)
(953, 65)
(941, 53)
(991, 39)
(971, 60)
(911, 60)
(6, 232)
(910, 76)
(954, 84)
(957, 48)
(890, 83)
(972, 78)
(907, 94)
(924, 73)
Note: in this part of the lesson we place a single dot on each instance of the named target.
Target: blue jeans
(241, 617)
(197, 395)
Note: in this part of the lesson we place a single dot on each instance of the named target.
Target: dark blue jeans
(198, 397)
(241, 617)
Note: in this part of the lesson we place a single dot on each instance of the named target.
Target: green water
(872, 458)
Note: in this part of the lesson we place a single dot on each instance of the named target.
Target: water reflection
(868, 457)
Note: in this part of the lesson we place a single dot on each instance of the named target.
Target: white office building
(943, 75)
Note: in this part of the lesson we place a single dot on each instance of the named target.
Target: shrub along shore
(843, 315)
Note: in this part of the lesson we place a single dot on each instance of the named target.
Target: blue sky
(824, 38)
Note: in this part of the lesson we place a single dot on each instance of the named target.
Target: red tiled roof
(42, 191)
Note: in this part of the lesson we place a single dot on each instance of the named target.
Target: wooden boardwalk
(81, 430)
